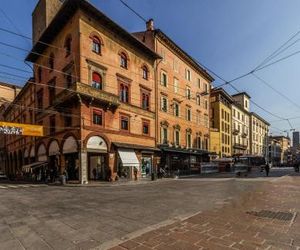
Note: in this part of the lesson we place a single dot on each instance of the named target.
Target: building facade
(240, 124)
(296, 139)
(259, 130)
(274, 152)
(182, 93)
(220, 122)
(285, 145)
(8, 93)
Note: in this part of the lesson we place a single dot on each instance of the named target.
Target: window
(52, 124)
(164, 104)
(51, 91)
(199, 83)
(189, 140)
(146, 128)
(164, 79)
(206, 104)
(97, 117)
(40, 97)
(124, 122)
(39, 74)
(164, 135)
(222, 113)
(198, 142)
(175, 65)
(198, 100)
(145, 72)
(145, 100)
(176, 109)
(68, 45)
(69, 80)
(177, 137)
(198, 117)
(175, 85)
(96, 81)
(188, 93)
(51, 61)
(246, 103)
(68, 120)
(123, 60)
(124, 93)
(96, 45)
(205, 88)
(188, 114)
(188, 75)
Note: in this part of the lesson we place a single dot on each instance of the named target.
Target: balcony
(235, 131)
(85, 91)
(244, 134)
(239, 146)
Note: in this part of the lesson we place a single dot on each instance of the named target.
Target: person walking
(267, 168)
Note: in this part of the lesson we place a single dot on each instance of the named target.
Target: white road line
(3, 187)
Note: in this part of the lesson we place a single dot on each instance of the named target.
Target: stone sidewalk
(264, 219)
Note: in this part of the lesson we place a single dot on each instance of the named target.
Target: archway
(70, 152)
(97, 159)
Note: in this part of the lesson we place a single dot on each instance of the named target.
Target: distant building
(259, 129)
(240, 124)
(274, 152)
(284, 143)
(296, 139)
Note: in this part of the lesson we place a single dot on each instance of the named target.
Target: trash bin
(63, 180)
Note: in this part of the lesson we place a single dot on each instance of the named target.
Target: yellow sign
(8, 128)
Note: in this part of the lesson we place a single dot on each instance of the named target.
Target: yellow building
(220, 118)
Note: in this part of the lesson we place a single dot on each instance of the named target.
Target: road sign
(8, 128)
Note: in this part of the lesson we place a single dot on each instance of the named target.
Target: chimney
(150, 24)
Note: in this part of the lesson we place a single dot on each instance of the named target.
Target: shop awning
(26, 168)
(128, 158)
(135, 146)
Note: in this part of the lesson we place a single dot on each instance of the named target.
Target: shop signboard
(8, 128)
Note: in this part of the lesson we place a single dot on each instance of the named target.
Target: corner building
(182, 110)
(99, 82)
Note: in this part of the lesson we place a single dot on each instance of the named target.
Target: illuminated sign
(8, 128)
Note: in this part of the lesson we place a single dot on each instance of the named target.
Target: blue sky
(230, 37)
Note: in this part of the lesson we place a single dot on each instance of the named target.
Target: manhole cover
(284, 216)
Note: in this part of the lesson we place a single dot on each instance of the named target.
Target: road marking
(3, 187)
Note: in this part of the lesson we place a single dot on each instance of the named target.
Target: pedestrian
(267, 168)
(65, 173)
(135, 171)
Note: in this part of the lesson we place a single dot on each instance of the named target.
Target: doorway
(97, 167)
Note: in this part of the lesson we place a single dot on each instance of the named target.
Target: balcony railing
(86, 91)
(240, 146)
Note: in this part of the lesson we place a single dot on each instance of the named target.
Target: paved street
(53, 217)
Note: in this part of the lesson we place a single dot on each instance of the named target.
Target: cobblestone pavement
(264, 219)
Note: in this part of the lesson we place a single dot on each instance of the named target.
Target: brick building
(8, 93)
(182, 94)
(107, 100)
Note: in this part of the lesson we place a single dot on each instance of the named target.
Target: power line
(277, 91)
(135, 12)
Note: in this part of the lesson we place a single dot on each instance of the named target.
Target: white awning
(128, 158)
(41, 153)
(26, 153)
(32, 152)
(96, 144)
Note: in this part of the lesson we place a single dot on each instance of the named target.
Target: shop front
(97, 151)
(70, 153)
(181, 161)
(135, 161)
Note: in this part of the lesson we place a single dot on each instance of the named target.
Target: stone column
(83, 167)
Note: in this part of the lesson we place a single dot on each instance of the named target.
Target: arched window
(124, 93)
(51, 61)
(96, 81)
(145, 72)
(146, 101)
(198, 100)
(68, 45)
(123, 60)
(96, 46)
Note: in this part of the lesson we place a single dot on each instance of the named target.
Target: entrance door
(146, 166)
(72, 169)
(97, 167)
